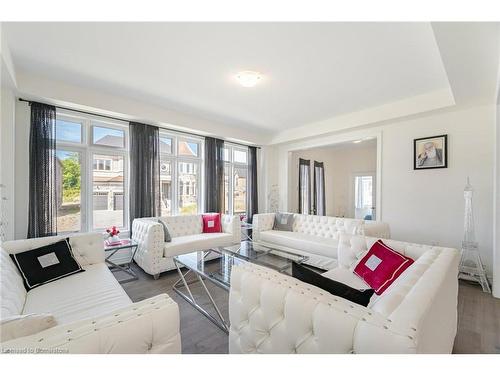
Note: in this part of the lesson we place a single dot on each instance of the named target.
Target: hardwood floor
(478, 316)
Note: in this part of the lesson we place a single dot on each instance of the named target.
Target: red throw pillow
(211, 223)
(381, 266)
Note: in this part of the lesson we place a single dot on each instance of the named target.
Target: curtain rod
(121, 119)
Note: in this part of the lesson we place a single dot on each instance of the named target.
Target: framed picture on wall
(430, 152)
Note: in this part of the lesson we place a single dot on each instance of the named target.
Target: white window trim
(175, 160)
(88, 150)
(232, 164)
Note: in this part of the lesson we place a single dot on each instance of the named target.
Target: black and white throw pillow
(361, 297)
(46, 264)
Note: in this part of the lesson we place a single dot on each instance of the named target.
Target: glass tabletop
(279, 260)
(219, 270)
(123, 244)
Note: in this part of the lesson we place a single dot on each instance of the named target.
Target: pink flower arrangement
(113, 231)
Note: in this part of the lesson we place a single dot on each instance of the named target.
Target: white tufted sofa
(92, 311)
(314, 236)
(271, 312)
(154, 255)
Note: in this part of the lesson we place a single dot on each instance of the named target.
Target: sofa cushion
(12, 289)
(283, 222)
(203, 241)
(183, 225)
(81, 296)
(381, 266)
(211, 223)
(46, 264)
(305, 242)
(359, 296)
(346, 276)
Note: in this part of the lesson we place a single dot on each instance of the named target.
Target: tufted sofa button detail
(40, 340)
(150, 346)
(414, 329)
(385, 327)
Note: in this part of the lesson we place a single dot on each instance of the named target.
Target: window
(102, 164)
(235, 179)
(364, 197)
(69, 191)
(92, 161)
(68, 131)
(110, 137)
(180, 174)
(187, 148)
(108, 192)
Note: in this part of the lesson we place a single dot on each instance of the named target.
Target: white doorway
(364, 195)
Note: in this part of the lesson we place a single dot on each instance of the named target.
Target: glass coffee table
(218, 271)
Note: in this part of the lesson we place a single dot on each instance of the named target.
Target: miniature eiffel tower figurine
(471, 267)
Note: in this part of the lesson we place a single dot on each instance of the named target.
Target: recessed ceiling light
(248, 78)
(357, 141)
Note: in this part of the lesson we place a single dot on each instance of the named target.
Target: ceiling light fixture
(248, 78)
(357, 141)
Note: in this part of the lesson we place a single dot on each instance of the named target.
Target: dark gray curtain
(42, 206)
(252, 197)
(304, 186)
(319, 206)
(214, 175)
(144, 171)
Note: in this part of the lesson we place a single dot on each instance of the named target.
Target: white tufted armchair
(314, 236)
(155, 256)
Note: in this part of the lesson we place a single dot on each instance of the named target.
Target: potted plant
(113, 235)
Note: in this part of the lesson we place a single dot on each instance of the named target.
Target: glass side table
(111, 250)
(246, 229)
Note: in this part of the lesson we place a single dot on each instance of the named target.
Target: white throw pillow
(16, 326)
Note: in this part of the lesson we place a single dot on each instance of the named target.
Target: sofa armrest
(149, 235)
(148, 326)
(260, 223)
(376, 229)
(231, 224)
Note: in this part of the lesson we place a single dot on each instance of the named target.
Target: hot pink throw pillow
(211, 223)
(381, 266)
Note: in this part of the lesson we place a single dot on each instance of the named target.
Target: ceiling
(312, 71)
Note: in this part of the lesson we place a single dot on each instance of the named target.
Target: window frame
(87, 151)
(231, 147)
(175, 159)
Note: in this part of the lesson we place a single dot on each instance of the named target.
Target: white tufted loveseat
(271, 312)
(92, 311)
(314, 236)
(155, 256)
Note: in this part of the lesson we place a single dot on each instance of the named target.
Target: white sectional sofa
(314, 236)
(271, 312)
(92, 311)
(154, 255)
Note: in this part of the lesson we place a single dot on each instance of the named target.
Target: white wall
(7, 141)
(496, 234)
(426, 206)
(7, 135)
(21, 156)
(341, 163)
